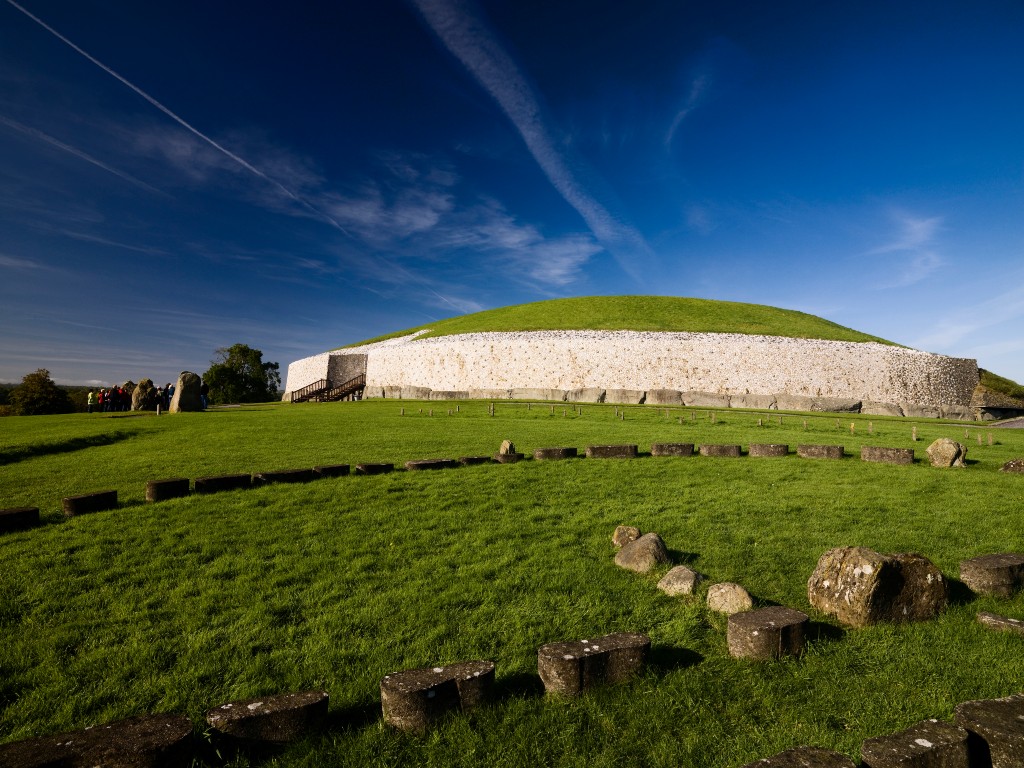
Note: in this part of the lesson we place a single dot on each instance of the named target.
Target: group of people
(120, 398)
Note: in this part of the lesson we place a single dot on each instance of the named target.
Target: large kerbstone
(89, 502)
(1000, 623)
(573, 667)
(18, 518)
(916, 411)
(804, 757)
(727, 451)
(768, 450)
(928, 744)
(705, 400)
(276, 719)
(554, 454)
(884, 455)
(534, 393)
(766, 633)
(410, 392)
(625, 396)
(664, 397)
(870, 408)
(585, 395)
(186, 393)
(819, 451)
(415, 699)
(946, 453)
(172, 488)
(217, 483)
(861, 587)
(672, 449)
(1001, 575)
(643, 554)
(611, 451)
(753, 402)
(835, 405)
(999, 724)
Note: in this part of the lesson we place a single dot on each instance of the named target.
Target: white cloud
(697, 88)
(912, 251)
(10, 262)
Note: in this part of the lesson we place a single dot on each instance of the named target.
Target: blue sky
(179, 177)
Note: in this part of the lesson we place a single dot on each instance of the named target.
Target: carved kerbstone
(672, 449)
(887, 455)
(284, 476)
(554, 453)
(624, 534)
(18, 518)
(508, 458)
(767, 633)
(611, 452)
(1001, 575)
(172, 488)
(147, 741)
(571, 668)
(332, 470)
(217, 483)
(415, 699)
(643, 554)
(418, 464)
(804, 757)
(999, 724)
(89, 502)
(374, 469)
(928, 744)
(819, 451)
(468, 461)
(768, 450)
(729, 451)
(274, 719)
(1001, 623)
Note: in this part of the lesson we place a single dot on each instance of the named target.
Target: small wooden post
(449, 411)
(552, 410)
(805, 425)
(564, 412)
(990, 438)
(714, 417)
(431, 412)
(457, 407)
(759, 423)
(871, 428)
(403, 412)
(913, 434)
(528, 406)
(853, 428)
(979, 438)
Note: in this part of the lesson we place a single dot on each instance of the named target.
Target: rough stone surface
(767, 633)
(508, 458)
(819, 451)
(999, 723)
(573, 667)
(768, 450)
(625, 396)
(449, 394)
(1001, 575)
(415, 699)
(217, 483)
(804, 757)
(664, 397)
(585, 395)
(146, 741)
(468, 461)
(871, 408)
(861, 587)
(89, 502)
(672, 449)
(835, 405)
(332, 470)
(728, 451)
(172, 488)
(753, 402)
(410, 392)
(538, 393)
(883, 455)
(186, 394)
(1001, 623)
(507, 447)
(729, 598)
(919, 411)
(368, 468)
(624, 534)
(643, 554)
(144, 397)
(418, 464)
(680, 581)
(705, 399)
(928, 744)
(276, 719)
(946, 453)
(1013, 465)
(486, 393)
(611, 451)
(284, 476)
(18, 519)
(542, 454)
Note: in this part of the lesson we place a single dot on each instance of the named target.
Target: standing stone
(999, 575)
(946, 453)
(680, 581)
(145, 398)
(928, 744)
(729, 598)
(999, 723)
(507, 447)
(186, 394)
(643, 554)
(625, 534)
(861, 587)
(804, 757)
(767, 633)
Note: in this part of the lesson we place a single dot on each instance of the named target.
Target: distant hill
(642, 313)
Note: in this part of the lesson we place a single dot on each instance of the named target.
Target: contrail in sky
(468, 39)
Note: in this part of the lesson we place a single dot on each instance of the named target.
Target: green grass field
(183, 605)
(643, 313)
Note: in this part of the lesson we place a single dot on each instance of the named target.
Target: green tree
(38, 395)
(239, 375)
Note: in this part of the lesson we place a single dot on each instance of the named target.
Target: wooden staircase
(323, 391)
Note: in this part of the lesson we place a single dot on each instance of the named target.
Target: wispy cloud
(10, 262)
(914, 241)
(469, 39)
(1002, 309)
(697, 88)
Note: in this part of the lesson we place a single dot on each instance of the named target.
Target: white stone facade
(720, 364)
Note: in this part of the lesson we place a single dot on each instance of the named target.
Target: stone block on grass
(664, 397)
(729, 598)
(819, 451)
(217, 483)
(284, 476)
(766, 633)
(681, 580)
(1001, 623)
(643, 554)
(728, 451)
(172, 488)
(542, 454)
(946, 453)
(18, 519)
(468, 461)
(415, 699)
(1013, 465)
(706, 400)
(768, 450)
(804, 757)
(1001, 575)
(509, 458)
(611, 451)
(625, 396)
(884, 455)
(624, 534)
(928, 744)
(585, 395)
(538, 393)
(369, 468)
(89, 502)
(332, 470)
(998, 725)
(418, 464)
(672, 449)
(574, 667)
(276, 719)
(146, 741)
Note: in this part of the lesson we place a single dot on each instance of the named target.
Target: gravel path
(1014, 424)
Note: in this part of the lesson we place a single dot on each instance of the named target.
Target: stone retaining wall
(730, 369)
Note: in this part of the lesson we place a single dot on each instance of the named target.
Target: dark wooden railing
(350, 388)
(311, 391)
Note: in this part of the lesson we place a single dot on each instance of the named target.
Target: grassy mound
(642, 313)
(1000, 384)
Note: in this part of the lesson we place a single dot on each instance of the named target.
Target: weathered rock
(861, 587)
(999, 723)
(768, 450)
(507, 447)
(928, 744)
(276, 719)
(585, 395)
(946, 453)
(18, 519)
(819, 451)
(418, 464)
(490, 394)
(705, 400)
(391, 392)
(450, 394)
(415, 393)
(415, 699)
(625, 396)
(172, 488)
(1013, 465)
(1001, 623)
(571, 668)
(1001, 575)
(468, 461)
(89, 502)
(664, 397)
(553, 454)
(767, 633)
(729, 598)
(611, 451)
(835, 405)
(804, 757)
(145, 397)
(217, 483)
(680, 581)
(625, 534)
(882, 455)
(186, 394)
(672, 449)
(787, 402)
(916, 411)
(332, 470)
(643, 554)
(284, 476)
(534, 393)
(880, 409)
(727, 451)
(753, 402)
(508, 458)
(374, 468)
(961, 412)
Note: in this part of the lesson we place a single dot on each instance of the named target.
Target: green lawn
(182, 605)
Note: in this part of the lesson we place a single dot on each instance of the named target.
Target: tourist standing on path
(89, 402)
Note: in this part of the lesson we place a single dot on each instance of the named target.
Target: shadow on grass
(667, 658)
(521, 685)
(958, 593)
(823, 632)
(14, 455)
